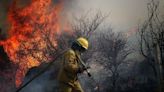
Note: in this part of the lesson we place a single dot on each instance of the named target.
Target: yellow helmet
(83, 42)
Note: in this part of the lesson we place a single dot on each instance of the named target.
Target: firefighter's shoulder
(70, 52)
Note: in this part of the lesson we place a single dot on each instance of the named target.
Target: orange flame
(29, 26)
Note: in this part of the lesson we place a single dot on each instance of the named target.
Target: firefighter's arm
(70, 63)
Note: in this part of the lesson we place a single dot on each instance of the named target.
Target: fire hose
(48, 66)
(88, 73)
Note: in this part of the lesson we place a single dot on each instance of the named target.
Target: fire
(32, 29)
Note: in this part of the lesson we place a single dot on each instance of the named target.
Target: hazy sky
(124, 14)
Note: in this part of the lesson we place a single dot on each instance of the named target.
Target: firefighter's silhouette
(70, 67)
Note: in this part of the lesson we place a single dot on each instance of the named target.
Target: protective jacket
(68, 80)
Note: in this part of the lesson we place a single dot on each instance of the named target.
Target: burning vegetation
(37, 32)
(31, 34)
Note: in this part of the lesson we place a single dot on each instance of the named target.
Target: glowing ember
(33, 28)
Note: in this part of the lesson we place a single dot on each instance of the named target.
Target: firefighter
(70, 67)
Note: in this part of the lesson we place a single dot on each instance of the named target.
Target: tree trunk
(159, 67)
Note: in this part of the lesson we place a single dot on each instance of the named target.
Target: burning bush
(31, 34)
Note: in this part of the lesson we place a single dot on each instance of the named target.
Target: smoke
(70, 4)
(42, 84)
(46, 82)
(3, 16)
